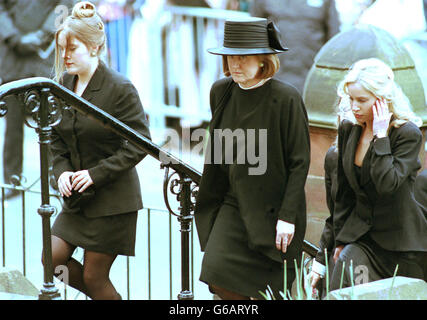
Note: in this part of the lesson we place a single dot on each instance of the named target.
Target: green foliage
(303, 286)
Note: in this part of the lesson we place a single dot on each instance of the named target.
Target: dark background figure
(26, 34)
(306, 26)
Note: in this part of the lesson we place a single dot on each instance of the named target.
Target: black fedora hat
(250, 36)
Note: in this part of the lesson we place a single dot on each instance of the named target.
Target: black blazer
(382, 203)
(276, 194)
(79, 143)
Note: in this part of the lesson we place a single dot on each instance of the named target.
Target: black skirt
(114, 235)
(229, 263)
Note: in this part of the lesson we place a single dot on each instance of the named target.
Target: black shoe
(10, 193)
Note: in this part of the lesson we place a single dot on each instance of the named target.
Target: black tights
(91, 278)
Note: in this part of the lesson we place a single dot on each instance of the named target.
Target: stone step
(13, 296)
(403, 289)
(13, 282)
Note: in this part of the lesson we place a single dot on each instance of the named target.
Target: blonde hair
(377, 77)
(269, 65)
(86, 25)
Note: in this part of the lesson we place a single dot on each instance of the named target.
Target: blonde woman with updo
(377, 223)
(94, 167)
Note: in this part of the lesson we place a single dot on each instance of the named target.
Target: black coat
(80, 143)
(276, 194)
(383, 203)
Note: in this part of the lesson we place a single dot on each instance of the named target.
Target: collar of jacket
(95, 83)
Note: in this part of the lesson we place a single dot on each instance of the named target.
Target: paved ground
(151, 177)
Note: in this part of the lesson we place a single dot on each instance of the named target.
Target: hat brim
(244, 51)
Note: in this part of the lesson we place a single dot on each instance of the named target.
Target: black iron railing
(43, 102)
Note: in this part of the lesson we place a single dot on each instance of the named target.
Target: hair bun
(84, 9)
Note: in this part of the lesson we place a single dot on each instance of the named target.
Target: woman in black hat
(250, 219)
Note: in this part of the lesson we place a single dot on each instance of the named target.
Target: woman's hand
(81, 180)
(382, 118)
(284, 234)
(64, 183)
(314, 277)
(337, 252)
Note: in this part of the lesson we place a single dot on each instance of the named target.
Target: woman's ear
(94, 51)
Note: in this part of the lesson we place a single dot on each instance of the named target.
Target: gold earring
(261, 64)
(93, 54)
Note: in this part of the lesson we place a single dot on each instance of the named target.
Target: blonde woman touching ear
(377, 223)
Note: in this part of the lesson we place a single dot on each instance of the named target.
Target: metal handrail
(97, 114)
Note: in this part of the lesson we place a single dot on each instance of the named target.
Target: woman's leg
(96, 276)
(61, 256)
(363, 270)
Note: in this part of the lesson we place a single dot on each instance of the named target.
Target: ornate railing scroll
(44, 102)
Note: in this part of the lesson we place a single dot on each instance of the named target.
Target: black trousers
(14, 139)
(371, 263)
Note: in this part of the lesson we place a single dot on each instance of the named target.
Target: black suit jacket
(276, 194)
(80, 143)
(382, 203)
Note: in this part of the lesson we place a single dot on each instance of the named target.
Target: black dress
(229, 262)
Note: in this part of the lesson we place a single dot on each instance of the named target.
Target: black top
(239, 109)
(358, 171)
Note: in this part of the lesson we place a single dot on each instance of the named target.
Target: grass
(303, 286)
(392, 282)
